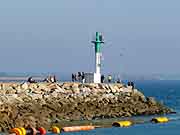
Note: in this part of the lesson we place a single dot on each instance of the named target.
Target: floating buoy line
(59, 130)
(43, 131)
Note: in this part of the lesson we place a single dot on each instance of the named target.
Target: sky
(141, 36)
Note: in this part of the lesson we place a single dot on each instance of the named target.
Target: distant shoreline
(19, 78)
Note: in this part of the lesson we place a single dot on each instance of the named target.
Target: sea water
(167, 92)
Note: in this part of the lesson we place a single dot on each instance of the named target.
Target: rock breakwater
(45, 104)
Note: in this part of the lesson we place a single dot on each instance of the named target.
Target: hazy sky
(55, 35)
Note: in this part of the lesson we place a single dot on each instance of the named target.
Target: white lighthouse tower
(98, 41)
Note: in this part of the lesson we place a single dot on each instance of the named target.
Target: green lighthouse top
(98, 42)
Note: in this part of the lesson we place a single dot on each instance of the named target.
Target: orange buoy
(77, 128)
(42, 131)
(56, 130)
(16, 131)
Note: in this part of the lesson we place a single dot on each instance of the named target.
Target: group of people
(79, 76)
(131, 84)
(49, 79)
(103, 78)
(109, 79)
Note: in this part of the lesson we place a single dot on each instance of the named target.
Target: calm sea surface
(167, 92)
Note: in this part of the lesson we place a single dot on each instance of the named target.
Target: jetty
(45, 104)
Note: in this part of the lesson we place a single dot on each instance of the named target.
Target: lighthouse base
(92, 78)
(97, 78)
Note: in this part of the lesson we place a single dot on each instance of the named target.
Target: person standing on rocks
(79, 76)
(73, 77)
(55, 79)
(76, 76)
(102, 78)
(132, 84)
(83, 77)
(109, 78)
